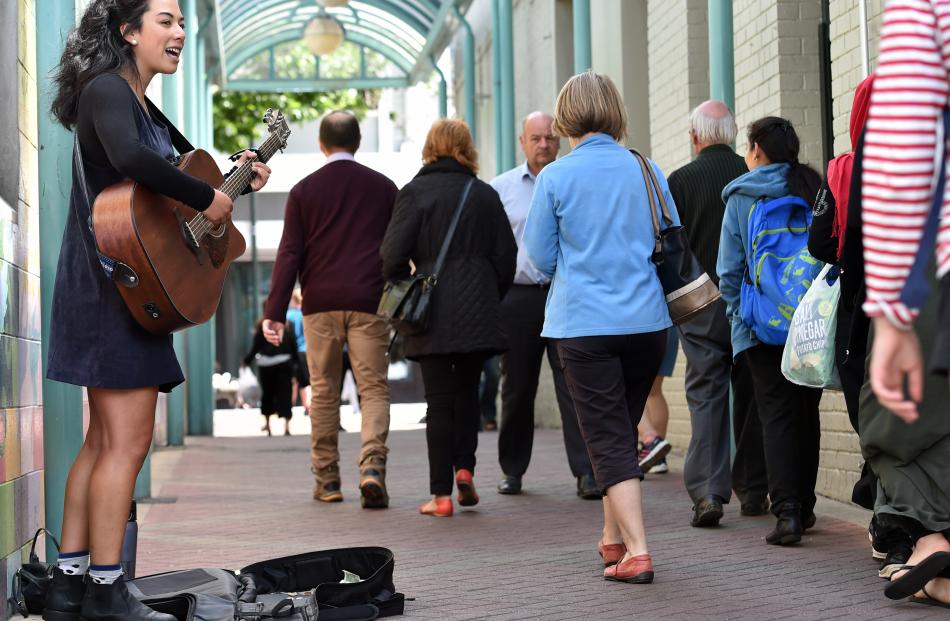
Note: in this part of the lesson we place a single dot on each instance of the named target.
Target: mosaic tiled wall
(21, 412)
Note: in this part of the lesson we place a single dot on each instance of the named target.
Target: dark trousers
(488, 389)
(791, 430)
(748, 466)
(522, 316)
(451, 385)
(707, 344)
(609, 378)
(851, 349)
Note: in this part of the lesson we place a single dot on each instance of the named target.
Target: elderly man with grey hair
(710, 367)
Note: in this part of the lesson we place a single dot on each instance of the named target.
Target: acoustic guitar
(170, 260)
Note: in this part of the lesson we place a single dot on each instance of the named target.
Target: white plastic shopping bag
(248, 386)
(809, 356)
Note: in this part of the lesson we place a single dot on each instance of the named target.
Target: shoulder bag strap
(451, 232)
(648, 180)
(178, 140)
(645, 164)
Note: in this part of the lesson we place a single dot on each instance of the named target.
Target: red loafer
(635, 570)
(466, 486)
(438, 507)
(611, 552)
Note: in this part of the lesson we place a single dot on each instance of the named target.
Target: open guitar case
(303, 587)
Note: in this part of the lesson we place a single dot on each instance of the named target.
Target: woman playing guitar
(107, 64)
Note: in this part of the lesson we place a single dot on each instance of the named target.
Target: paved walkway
(239, 500)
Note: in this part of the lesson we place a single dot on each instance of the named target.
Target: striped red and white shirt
(911, 89)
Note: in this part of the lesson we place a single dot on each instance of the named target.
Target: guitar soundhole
(218, 232)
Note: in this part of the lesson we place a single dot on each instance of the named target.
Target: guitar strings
(200, 225)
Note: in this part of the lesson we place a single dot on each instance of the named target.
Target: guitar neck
(238, 180)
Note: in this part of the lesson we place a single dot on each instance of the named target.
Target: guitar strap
(108, 264)
(180, 143)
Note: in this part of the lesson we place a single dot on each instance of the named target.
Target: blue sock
(105, 574)
(73, 563)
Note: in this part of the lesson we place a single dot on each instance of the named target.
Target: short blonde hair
(590, 102)
(451, 138)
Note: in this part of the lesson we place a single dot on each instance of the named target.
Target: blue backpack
(779, 268)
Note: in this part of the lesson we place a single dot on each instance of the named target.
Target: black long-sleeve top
(822, 242)
(106, 113)
(262, 346)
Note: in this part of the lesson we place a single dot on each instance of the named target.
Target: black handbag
(405, 302)
(687, 288)
(32, 580)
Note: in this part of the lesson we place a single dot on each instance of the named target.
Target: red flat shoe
(437, 507)
(466, 485)
(635, 570)
(611, 552)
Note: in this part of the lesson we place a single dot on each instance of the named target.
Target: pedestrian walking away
(788, 413)
(463, 328)
(587, 231)
(710, 371)
(340, 280)
(522, 316)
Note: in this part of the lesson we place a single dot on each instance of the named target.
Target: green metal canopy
(406, 33)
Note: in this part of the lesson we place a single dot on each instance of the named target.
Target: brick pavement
(532, 556)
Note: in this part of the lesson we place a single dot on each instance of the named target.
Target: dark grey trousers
(707, 343)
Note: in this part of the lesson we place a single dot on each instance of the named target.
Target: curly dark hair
(95, 47)
(779, 141)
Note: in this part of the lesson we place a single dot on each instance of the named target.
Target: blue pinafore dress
(93, 339)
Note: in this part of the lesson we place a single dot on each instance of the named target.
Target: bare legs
(623, 517)
(656, 414)
(100, 483)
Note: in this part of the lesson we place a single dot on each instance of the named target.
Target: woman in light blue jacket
(590, 230)
(789, 413)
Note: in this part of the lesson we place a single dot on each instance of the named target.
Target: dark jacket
(479, 267)
(697, 191)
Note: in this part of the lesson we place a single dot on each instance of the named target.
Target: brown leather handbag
(687, 288)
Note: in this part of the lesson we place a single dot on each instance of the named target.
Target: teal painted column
(507, 60)
(721, 60)
(171, 93)
(496, 82)
(582, 53)
(471, 112)
(62, 403)
(200, 352)
(443, 90)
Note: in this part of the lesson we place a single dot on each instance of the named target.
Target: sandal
(929, 600)
(935, 565)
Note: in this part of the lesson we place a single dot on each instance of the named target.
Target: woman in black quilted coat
(463, 323)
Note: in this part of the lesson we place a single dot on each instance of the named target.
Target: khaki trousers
(368, 338)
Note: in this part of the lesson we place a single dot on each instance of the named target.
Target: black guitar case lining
(297, 588)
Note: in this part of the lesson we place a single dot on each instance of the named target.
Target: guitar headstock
(278, 127)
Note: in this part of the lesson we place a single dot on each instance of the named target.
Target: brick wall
(678, 75)
(21, 412)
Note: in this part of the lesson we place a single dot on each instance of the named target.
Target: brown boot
(373, 494)
(328, 487)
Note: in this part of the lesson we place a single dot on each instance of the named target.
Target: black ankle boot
(64, 598)
(113, 602)
(788, 529)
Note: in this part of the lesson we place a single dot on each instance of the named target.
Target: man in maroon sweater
(333, 227)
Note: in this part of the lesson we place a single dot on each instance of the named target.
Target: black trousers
(609, 378)
(522, 316)
(791, 430)
(451, 386)
(749, 480)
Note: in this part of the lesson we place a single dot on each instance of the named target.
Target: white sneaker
(660, 468)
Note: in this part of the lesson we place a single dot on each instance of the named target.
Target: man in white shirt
(522, 315)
